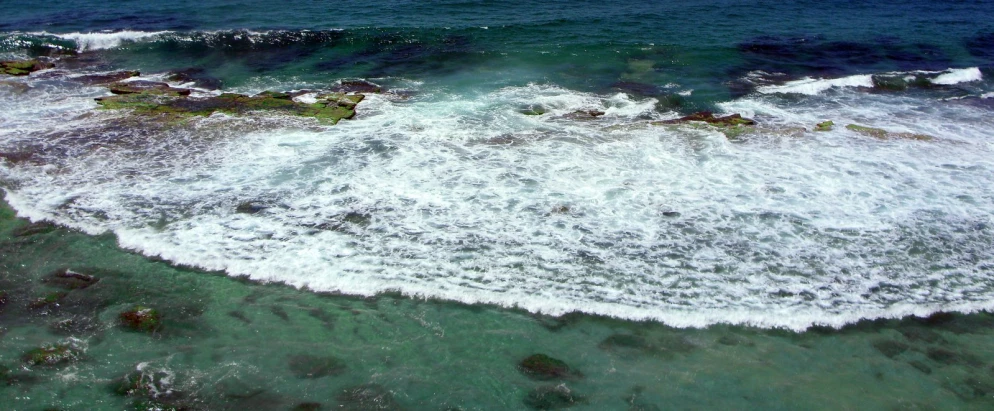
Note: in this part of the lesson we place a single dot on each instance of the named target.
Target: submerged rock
(329, 109)
(884, 134)
(36, 228)
(544, 367)
(71, 280)
(53, 354)
(141, 318)
(23, 67)
(48, 302)
(357, 86)
(552, 398)
(311, 366)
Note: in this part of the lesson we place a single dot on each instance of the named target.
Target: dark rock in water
(275, 94)
(356, 86)
(23, 67)
(53, 354)
(890, 348)
(918, 334)
(197, 76)
(312, 366)
(141, 318)
(307, 406)
(708, 117)
(10, 377)
(367, 397)
(49, 302)
(279, 312)
(240, 316)
(552, 398)
(921, 366)
(667, 345)
(74, 326)
(15, 158)
(533, 111)
(671, 214)
(143, 86)
(95, 79)
(584, 114)
(544, 367)
(250, 207)
(41, 227)
(70, 280)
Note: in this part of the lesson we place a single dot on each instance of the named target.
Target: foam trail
(956, 76)
(102, 41)
(812, 86)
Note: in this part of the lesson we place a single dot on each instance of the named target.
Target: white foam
(811, 86)
(956, 76)
(464, 198)
(102, 41)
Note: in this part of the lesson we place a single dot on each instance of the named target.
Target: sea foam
(468, 199)
(109, 40)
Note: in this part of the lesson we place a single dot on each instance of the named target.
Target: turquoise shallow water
(511, 185)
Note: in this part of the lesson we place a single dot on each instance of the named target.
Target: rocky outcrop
(885, 135)
(23, 67)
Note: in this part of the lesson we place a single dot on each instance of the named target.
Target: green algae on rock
(544, 367)
(53, 354)
(732, 126)
(23, 67)
(330, 108)
(884, 134)
(824, 126)
(141, 318)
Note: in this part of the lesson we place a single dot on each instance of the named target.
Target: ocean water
(474, 212)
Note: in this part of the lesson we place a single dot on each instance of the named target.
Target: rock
(141, 318)
(552, 398)
(311, 366)
(37, 228)
(49, 301)
(71, 280)
(884, 134)
(824, 126)
(143, 86)
(16, 157)
(544, 367)
(139, 383)
(23, 67)
(250, 207)
(95, 79)
(307, 406)
(708, 117)
(197, 76)
(329, 110)
(10, 377)
(357, 86)
(367, 397)
(53, 354)
(585, 114)
(533, 111)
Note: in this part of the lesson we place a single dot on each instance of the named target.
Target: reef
(154, 99)
(141, 318)
(23, 67)
(544, 367)
(885, 135)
